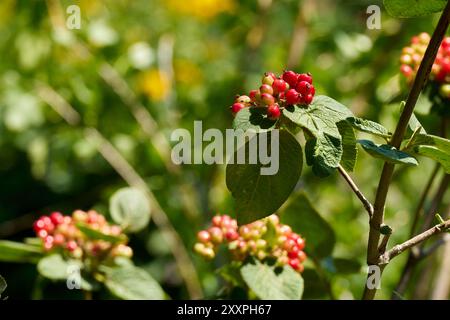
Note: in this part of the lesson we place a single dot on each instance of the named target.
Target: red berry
(265, 88)
(72, 245)
(293, 253)
(305, 77)
(279, 86)
(48, 239)
(300, 243)
(294, 263)
(252, 95)
(303, 87)
(289, 244)
(231, 235)
(217, 221)
(282, 96)
(216, 234)
(48, 246)
(57, 218)
(42, 233)
(292, 97)
(273, 112)
(38, 225)
(267, 99)
(290, 77)
(406, 70)
(301, 256)
(203, 236)
(236, 107)
(308, 99)
(58, 239)
(93, 217)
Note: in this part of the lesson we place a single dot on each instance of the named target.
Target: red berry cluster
(277, 92)
(412, 56)
(284, 245)
(59, 232)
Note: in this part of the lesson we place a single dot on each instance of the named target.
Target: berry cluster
(262, 239)
(277, 92)
(59, 232)
(412, 56)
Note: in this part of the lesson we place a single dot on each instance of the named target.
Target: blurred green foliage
(185, 61)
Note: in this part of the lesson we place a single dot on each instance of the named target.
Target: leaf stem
(366, 203)
(388, 169)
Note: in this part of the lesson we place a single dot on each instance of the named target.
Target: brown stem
(366, 203)
(388, 168)
(386, 257)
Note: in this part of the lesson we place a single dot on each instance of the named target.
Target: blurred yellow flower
(90, 7)
(202, 9)
(7, 8)
(154, 84)
(187, 72)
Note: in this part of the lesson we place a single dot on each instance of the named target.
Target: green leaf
(3, 285)
(320, 119)
(323, 154)
(254, 119)
(321, 116)
(270, 283)
(350, 151)
(369, 127)
(133, 283)
(387, 153)
(231, 273)
(54, 267)
(98, 235)
(11, 251)
(413, 8)
(258, 195)
(315, 287)
(431, 140)
(414, 124)
(436, 154)
(130, 208)
(305, 220)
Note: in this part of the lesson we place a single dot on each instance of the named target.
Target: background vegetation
(180, 61)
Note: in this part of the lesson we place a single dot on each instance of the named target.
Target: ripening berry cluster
(60, 232)
(254, 239)
(412, 57)
(276, 93)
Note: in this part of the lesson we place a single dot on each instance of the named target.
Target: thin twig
(366, 203)
(423, 197)
(127, 172)
(440, 193)
(386, 257)
(388, 168)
